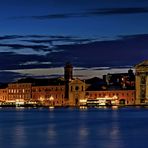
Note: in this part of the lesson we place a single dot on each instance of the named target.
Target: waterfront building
(142, 82)
(74, 87)
(124, 97)
(47, 95)
(70, 91)
(19, 92)
(3, 95)
(76, 92)
(123, 80)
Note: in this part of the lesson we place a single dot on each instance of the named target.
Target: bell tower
(68, 75)
(68, 72)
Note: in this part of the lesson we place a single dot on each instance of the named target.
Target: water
(73, 128)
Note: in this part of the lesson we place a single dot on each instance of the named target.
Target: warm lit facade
(67, 91)
(124, 97)
(142, 82)
(49, 95)
(76, 92)
(3, 95)
(19, 92)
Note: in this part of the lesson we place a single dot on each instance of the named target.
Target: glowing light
(51, 98)
(41, 99)
(83, 101)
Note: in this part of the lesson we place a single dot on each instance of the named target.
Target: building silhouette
(71, 91)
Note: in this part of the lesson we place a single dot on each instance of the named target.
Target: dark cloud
(110, 11)
(65, 40)
(10, 37)
(6, 77)
(19, 46)
(39, 44)
(94, 12)
(49, 16)
(120, 52)
(10, 61)
(124, 51)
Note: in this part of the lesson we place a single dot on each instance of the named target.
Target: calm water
(73, 128)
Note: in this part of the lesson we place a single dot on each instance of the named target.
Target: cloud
(58, 40)
(9, 76)
(99, 56)
(51, 16)
(126, 50)
(82, 73)
(37, 44)
(119, 52)
(111, 11)
(10, 37)
(10, 60)
(30, 51)
(88, 13)
(35, 63)
(19, 46)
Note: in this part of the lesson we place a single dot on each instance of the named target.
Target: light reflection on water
(19, 136)
(73, 128)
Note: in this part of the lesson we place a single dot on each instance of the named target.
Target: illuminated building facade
(20, 92)
(69, 91)
(3, 95)
(76, 92)
(124, 97)
(46, 95)
(142, 82)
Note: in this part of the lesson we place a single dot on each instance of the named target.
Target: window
(82, 88)
(77, 88)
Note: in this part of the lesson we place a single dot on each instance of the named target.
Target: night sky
(37, 37)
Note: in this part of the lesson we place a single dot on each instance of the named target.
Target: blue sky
(45, 34)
